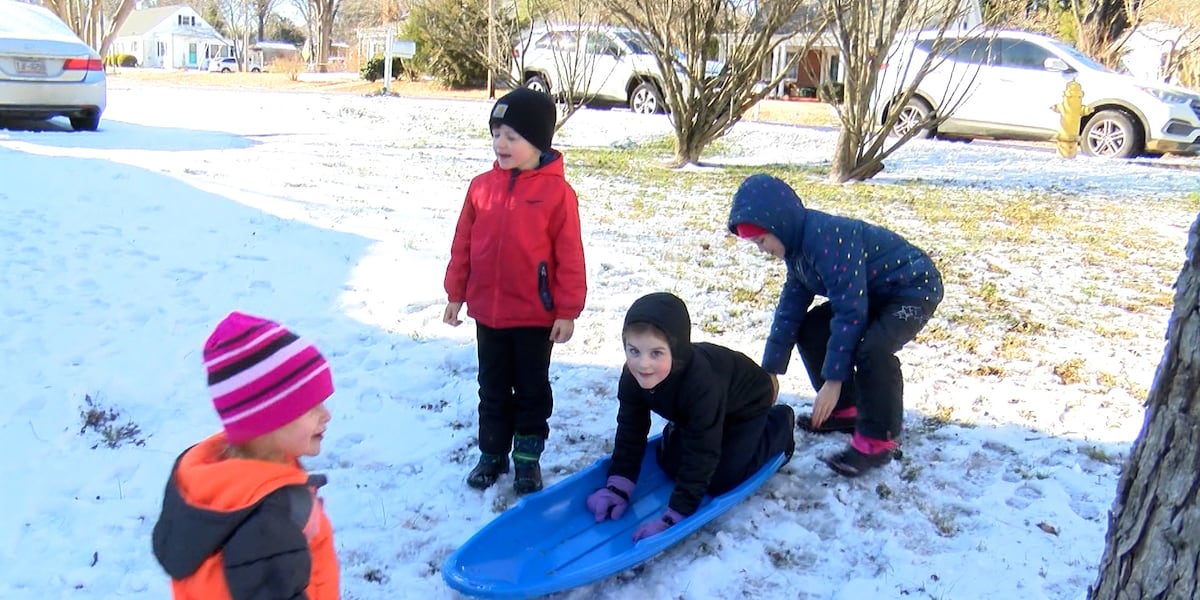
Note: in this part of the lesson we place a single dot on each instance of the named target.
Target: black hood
(667, 312)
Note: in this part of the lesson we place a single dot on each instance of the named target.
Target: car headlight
(1166, 95)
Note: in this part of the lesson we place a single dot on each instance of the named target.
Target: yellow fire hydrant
(1071, 111)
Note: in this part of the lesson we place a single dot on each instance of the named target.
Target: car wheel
(255, 70)
(1111, 133)
(537, 84)
(911, 116)
(645, 99)
(87, 122)
(225, 69)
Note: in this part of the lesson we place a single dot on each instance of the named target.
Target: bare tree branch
(708, 93)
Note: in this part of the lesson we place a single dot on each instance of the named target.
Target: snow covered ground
(333, 214)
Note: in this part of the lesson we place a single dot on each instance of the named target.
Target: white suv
(228, 64)
(609, 64)
(1012, 79)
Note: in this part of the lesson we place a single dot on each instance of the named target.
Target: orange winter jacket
(517, 254)
(238, 529)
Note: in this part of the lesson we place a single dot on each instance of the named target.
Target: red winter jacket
(517, 255)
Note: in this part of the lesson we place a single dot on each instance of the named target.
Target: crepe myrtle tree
(516, 29)
(706, 97)
(574, 66)
(1151, 547)
(880, 114)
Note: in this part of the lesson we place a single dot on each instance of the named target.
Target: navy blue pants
(877, 386)
(745, 448)
(514, 385)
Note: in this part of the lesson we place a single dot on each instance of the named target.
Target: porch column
(778, 58)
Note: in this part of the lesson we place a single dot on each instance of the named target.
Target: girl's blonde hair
(259, 448)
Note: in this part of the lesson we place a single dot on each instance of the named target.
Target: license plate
(30, 66)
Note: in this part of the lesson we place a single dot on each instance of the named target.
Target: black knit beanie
(530, 113)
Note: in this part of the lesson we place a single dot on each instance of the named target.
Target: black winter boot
(527, 449)
(851, 462)
(487, 471)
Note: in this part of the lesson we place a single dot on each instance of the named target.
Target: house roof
(264, 45)
(141, 21)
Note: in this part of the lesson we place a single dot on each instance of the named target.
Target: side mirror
(1058, 65)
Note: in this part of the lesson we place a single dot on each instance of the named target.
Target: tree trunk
(848, 164)
(1101, 25)
(324, 12)
(1154, 528)
(124, 9)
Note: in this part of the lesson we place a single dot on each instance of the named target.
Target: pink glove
(657, 526)
(611, 500)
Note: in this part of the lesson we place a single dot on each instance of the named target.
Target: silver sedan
(46, 70)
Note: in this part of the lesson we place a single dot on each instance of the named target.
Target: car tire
(1111, 134)
(88, 122)
(256, 70)
(645, 99)
(225, 70)
(912, 115)
(537, 84)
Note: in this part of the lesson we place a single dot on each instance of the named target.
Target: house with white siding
(170, 37)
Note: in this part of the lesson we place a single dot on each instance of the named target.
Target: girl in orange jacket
(241, 517)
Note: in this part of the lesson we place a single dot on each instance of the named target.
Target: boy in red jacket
(517, 262)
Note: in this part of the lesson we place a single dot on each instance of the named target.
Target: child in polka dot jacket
(880, 291)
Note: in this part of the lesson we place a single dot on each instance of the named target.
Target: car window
(598, 43)
(966, 50)
(970, 51)
(559, 41)
(636, 42)
(1020, 54)
(1079, 56)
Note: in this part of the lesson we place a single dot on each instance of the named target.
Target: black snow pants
(514, 385)
(877, 386)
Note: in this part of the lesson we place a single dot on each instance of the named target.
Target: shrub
(121, 60)
(291, 65)
(449, 34)
(832, 92)
(372, 70)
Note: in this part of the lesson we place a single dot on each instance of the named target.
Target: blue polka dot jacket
(855, 264)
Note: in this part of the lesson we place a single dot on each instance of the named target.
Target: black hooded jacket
(709, 387)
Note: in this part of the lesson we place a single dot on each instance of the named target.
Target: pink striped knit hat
(262, 376)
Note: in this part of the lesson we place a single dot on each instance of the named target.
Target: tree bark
(1102, 26)
(1153, 542)
(324, 11)
(124, 9)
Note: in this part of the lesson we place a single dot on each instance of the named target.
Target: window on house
(192, 20)
(162, 49)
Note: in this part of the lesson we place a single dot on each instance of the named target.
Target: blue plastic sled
(549, 541)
